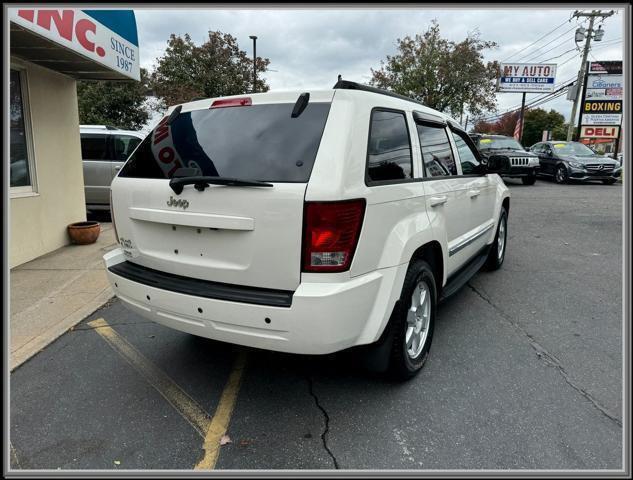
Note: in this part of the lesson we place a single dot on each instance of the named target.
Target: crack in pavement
(327, 422)
(549, 358)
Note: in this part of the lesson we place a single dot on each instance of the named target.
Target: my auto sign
(527, 77)
(107, 37)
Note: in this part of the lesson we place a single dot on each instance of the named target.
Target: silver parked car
(104, 150)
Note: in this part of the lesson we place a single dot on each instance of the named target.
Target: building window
(20, 150)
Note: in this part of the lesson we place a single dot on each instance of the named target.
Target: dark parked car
(565, 161)
(523, 164)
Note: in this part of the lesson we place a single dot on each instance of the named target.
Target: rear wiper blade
(201, 182)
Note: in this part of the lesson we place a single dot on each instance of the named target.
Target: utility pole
(522, 118)
(581, 73)
(254, 38)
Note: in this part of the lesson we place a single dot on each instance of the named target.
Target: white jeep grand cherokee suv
(306, 222)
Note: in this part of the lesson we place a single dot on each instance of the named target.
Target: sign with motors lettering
(602, 106)
(599, 132)
(527, 77)
(108, 37)
(612, 67)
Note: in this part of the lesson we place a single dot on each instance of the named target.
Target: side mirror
(498, 164)
(548, 151)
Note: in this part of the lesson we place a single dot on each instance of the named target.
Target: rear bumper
(322, 317)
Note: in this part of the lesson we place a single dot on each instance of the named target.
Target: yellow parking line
(176, 396)
(222, 417)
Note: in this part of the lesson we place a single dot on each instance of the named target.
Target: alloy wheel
(418, 320)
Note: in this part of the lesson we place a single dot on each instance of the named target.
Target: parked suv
(523, 164)
(565, 161)
(104, 151)
(306, 222)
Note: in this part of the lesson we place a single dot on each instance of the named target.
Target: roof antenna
(340, 77)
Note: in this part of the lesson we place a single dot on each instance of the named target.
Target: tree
(118, 103)
(216, 68)
(537, 120)
(444, 75)
(505, 125)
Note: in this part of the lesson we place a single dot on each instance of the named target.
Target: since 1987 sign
(527, 77)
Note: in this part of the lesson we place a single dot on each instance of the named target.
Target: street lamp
(254, 38)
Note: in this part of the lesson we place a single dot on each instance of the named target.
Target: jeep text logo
(172, 202)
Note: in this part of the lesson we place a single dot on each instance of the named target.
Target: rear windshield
(258, 142)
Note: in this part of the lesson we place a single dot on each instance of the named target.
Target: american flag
(517, 129)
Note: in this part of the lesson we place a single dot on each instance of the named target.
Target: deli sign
(527, 77)
(81, 32)
(599, 132)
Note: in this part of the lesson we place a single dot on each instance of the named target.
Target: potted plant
(83, 233)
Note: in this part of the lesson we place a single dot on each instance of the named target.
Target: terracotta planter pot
(83, 233)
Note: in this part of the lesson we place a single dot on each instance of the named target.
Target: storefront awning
(84, 44)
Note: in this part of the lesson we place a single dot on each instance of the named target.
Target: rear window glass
(258, 142)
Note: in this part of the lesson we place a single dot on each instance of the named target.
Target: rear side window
(436, 151)
(389, 149)
(467, 155)
(255, 142)
(93, 146)
(124, 145)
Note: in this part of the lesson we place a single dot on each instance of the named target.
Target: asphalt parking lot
(525, 372)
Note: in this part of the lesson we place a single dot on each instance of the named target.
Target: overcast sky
(308, 48)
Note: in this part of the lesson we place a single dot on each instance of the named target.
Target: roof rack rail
(348, 85)
(100, 127)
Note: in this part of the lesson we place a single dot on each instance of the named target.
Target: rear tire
(413, 322)
(497, 253)
(531, 180)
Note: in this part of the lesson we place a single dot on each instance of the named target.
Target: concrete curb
(38, 343)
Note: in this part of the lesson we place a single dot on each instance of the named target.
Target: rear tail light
(232, 102)
(330, 234)
(116, 235)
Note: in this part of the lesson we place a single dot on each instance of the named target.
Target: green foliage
(444, 75)
(118, 103)
(216, 68)
(537, 120)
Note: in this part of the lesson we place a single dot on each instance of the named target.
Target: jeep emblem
(172, 202)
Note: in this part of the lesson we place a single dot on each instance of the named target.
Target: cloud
(309, 47)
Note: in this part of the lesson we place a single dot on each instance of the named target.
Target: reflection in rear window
(258, 142)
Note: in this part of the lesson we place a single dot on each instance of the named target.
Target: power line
(531, 54)
(536, 99)
(536, 41)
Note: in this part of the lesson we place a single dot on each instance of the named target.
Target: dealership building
(50, 49)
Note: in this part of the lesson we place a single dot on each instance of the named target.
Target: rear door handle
(473, 193)
(439, 200)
